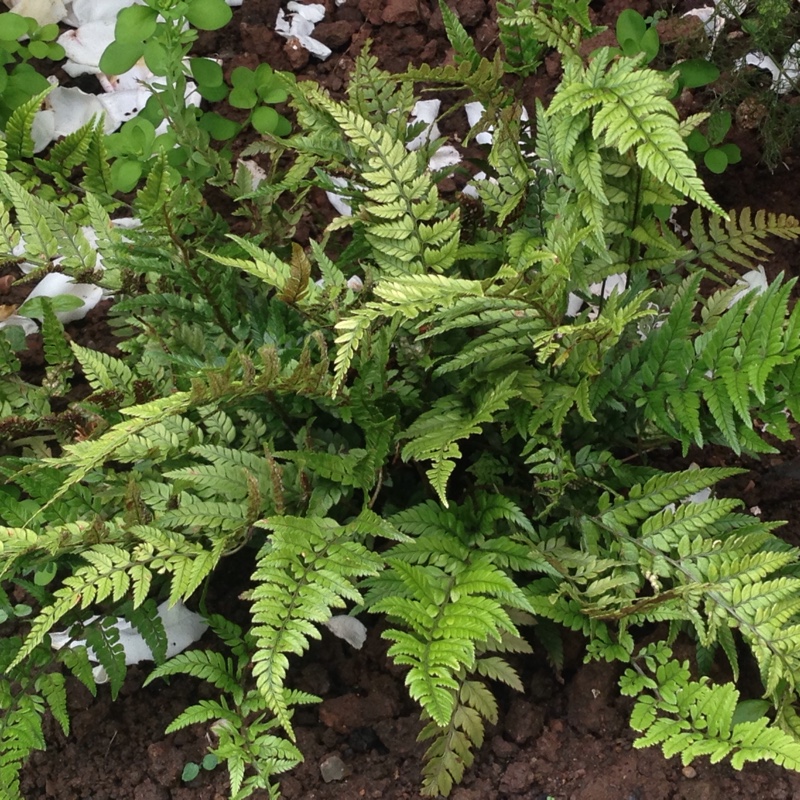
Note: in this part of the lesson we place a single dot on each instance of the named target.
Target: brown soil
(567, 737)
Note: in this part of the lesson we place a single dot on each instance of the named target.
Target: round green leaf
(152, 111)
(630, 47)
(190, 772)
(178, 156)
(697, 72)
(38, 49)
(264, 75)
(209, 15)
(55, 52)
(3, 616)
(165, 141)
(750, 711)
(716, 160)
(243, 78)
(273, 94)
(156, 57)
(140, 134)
(630, 26)
(241, 97)
(13, 25)
(213, 93)
(34, 307)
(662, 212)
(45, 574)
(219, 127)
(732, 152)
(119, 57)
(125, 174)
(649, 43)
(206, 72)
(135, 24)
(265, 119)
(697, 142)
(15, 335)
(22, 610)
(283, 128)
(210, 761)
(47, 33)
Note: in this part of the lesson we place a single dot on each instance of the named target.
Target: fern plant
(459, 441)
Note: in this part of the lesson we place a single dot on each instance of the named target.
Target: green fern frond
(463, 46)
(52, 685)
(651, 497)
(433, 436)
(306, 568)
(103, 371)
(518, 35)
(103, 638)
(737, 240)
(691, 719)
(71, 151)
(629, 111)
(206, 665)
(18, 139)
(97, 170)
(156, 192)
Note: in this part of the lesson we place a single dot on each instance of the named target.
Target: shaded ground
(568, 737)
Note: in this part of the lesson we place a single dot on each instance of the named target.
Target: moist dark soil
(567, 737)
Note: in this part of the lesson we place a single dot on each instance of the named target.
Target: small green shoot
(717, 156)
(192, 769)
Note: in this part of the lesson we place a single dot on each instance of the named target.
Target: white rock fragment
(257, 173)
(81, 12)
(713, 21)
(348, 628)
(56, 284)
(43, 129)
(424, 111)
(182, 626)
(339, 203)
(754, 279)
(299, 25)
(85, 45)
(613, 283)
(785, 76)
(474, 113)
(355, 284)
(15, 320)
(45, 12)
(446, 156)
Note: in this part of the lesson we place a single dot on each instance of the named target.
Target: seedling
(192, 769)
(256, 90)
(636, 34)
(135, 144)
(19, 81)
(716, 155)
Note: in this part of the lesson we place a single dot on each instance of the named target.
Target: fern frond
(630, 111)
(740, 239)
(307, 567)
(461, 42)
(102, 636)
(206, 665)
(692, 719)
(18, 139)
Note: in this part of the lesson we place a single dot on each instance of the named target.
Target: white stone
(57, 284)
(348, 628)
(182, 626)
